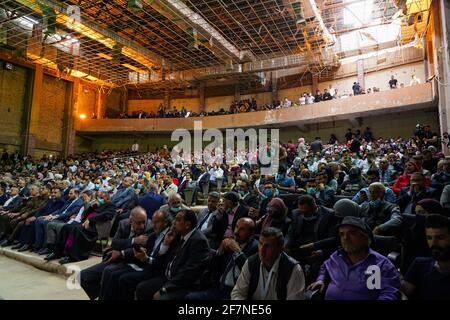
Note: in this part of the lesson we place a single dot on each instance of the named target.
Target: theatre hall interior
(204, 150)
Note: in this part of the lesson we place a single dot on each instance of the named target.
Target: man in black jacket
(186, 264)
(228, 261)
(131, 232)
(417, 191)
(228, 217)
(310, 223)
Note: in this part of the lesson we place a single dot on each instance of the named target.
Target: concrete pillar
(360, 72)
(274, 88)
(315, 84)
(441, 12)
(202, 98)
(100, 100)
(71, 118)
(35, 107)
(166, 102)
(237, 92)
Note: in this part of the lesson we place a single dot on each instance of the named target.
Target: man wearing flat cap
(356, 272)
(232, 211)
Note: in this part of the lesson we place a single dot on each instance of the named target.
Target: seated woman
(77, 239)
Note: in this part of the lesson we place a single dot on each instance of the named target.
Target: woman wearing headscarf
(275, 217)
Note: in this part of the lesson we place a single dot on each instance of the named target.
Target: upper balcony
(379, 103)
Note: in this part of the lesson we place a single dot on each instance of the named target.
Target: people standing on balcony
(332, 91)
(318, 96)
(326, 95)
(393, 83)
(287, 103)
(302, 99)
(356, 88)
(414, 80)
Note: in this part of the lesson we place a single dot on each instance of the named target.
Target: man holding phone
(131, 232)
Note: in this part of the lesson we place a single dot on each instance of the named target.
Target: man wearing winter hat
(229, 215)
(356, 272)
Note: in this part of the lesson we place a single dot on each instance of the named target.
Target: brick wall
(13, 95)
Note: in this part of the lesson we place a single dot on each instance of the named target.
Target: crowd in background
(311, 230)
(250, 105)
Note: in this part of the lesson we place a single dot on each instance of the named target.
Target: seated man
(356, 272)
(283, 182)
(417, 191)
(227, 264)
(76, 240)
(174, 204)
(276, 217)
(207, 217)
(441, 179)
(362, 195)
(28, 235)
(13, 201)
(134, 231)
(310, 222)
(429, 278)
(323, 194)
(11, 222)
(271, 274)
(187, 263)
(151, 201)
(228, 216)
(382, 217)
(353, 183)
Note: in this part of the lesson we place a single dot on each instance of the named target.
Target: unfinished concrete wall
(14, 92)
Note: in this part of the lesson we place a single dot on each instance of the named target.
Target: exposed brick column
(33, 119)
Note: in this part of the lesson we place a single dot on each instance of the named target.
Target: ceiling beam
(180, 14)
(91, 30)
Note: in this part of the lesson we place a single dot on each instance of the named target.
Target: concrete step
(38, 262)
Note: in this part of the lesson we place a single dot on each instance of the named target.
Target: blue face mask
(375, 203)
(175, 210)
(269, 192)
(311, 190)
(101, 201)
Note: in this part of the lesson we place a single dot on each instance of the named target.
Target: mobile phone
(137, 247)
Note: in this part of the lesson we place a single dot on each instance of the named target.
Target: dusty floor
(19, 281)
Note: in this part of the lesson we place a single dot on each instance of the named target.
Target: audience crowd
(317, 229)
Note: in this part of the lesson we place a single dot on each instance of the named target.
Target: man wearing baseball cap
(356, 272)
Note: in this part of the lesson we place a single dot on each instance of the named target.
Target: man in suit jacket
(11, 223)
(123, 195)
(227, 263)
(3, 195)
(207, 217)
(174, 205)
(228, 217)
(134, 231)
(203, 178)
(14, 200)
(48, 227)
(185, 266)
(151, 201)
(141, 265)
(310, 223)
(30, 231)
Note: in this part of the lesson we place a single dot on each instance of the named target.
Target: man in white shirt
(287, 103)
(135, 147)
(332, 91)
(310, 98)
(414, 80)
(302, 100)
(272, 274)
